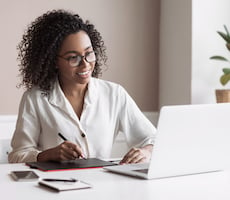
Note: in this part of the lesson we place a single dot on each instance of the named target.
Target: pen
(59, 180)
(64, 138)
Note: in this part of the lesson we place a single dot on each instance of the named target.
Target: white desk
(212, 186)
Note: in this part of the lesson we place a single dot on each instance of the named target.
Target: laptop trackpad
(140, 167)
(144, 171)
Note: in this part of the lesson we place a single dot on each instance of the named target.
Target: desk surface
(211, 186)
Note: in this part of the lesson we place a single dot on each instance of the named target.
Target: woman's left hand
(138, 155)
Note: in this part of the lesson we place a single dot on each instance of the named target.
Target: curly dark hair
(42, 41)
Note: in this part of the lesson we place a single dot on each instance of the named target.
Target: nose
(84, 63)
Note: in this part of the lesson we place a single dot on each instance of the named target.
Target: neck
(74, 90)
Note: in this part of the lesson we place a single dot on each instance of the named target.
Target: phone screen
(24, 175)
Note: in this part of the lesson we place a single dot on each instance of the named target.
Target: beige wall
(175, 52)
(130, 30)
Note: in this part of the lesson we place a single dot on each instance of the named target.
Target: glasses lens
(74, 61)
(90, 57)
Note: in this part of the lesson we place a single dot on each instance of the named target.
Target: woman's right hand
(65, 151)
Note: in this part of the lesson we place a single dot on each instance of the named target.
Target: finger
(129, 155)
(65, 156)
(59, 153)
(67, 153)
(74, 149)
(137, 159)
(141, 160)
(126, 157)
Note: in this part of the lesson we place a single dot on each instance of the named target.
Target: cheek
(60, 63)
(64, 69)
(93, 65)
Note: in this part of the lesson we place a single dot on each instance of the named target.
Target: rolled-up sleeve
(25, 139)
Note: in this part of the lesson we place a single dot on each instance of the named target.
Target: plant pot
(222, 96)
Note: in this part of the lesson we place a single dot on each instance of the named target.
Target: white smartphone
(27, 175)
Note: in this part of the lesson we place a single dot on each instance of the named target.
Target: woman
(61, 58)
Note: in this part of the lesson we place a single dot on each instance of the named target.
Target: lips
(83, 73)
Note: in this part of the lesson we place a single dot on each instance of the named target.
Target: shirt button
(83, 135)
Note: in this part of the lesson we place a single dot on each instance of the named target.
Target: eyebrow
(76, 52)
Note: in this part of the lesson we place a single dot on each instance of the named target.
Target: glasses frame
(81, 59)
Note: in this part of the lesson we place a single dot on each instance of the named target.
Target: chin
(84, 81)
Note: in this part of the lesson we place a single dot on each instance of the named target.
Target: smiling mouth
(83, 73)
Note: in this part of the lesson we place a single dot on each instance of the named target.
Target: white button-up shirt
(108, 110)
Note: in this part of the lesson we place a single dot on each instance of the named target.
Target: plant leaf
(224, 36)
(226, 29)
(224, 79)
(219, 58)
(226, 70)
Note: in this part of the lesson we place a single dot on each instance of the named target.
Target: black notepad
(73, 164)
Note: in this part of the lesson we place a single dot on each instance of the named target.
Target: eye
(90, 56)
(76, 57)
(88, 53)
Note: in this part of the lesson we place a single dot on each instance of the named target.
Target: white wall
(188, 38)
(208, 17)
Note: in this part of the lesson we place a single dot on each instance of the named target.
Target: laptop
(190, 139)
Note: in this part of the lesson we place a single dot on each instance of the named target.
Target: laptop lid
(190, 139)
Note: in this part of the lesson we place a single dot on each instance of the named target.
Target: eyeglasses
(75, 61)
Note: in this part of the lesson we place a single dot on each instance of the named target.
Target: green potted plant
(223, 95)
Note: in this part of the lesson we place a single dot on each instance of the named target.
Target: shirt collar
(57, 97)
(91, 94)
